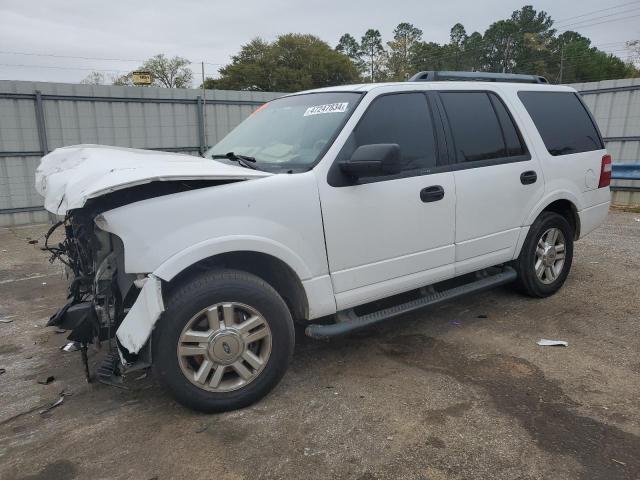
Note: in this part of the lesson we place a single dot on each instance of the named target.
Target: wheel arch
(563, 203)
(569, 211)
(269, 268)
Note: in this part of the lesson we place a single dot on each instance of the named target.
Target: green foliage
(350, 47)
(166, 72)
(405, 38)
(373, 53)
(526, 42)
(291, 63)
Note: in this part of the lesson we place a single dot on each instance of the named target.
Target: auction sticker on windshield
(328, 108)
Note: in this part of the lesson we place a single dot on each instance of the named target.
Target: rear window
(563, 122)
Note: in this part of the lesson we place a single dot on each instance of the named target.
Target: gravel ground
(459, 391)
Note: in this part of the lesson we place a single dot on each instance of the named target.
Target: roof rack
(433, 76)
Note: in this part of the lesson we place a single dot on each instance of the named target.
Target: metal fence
(616, 107)
(37, 117)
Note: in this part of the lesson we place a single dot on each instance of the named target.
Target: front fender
(277, 215)
(232, 243)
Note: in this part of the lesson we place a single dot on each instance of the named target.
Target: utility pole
(204, 106)
(371, 64)
(561, 61)
(506, 55)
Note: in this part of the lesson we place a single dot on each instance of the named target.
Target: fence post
(201, 140)
(42, 130)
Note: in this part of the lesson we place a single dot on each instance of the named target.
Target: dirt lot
(456, 392)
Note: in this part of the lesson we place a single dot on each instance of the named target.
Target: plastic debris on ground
(55, 404)
(543, 342)
(71, 347)
(47, 381)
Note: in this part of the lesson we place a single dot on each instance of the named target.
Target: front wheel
(546, 256)
(223, 342)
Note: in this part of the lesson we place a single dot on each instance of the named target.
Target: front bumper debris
(135, 329)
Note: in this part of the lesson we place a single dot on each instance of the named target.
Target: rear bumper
(592, 217)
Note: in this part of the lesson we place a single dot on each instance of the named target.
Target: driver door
(393, 233)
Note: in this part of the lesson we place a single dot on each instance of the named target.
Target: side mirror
(373, 160)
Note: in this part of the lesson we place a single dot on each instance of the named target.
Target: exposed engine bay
(95, 190)
(99, 292)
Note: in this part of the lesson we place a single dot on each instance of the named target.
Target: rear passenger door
(497, 180)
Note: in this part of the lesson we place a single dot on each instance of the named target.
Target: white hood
(69, 176)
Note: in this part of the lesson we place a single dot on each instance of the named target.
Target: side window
(563, 122)
(477, 134)
(404, 119)
(512, 138)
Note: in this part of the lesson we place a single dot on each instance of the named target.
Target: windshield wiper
(241, 159)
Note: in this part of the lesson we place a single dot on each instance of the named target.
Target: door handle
(432, 193)
(528, 177)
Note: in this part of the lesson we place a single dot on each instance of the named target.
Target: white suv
(320, 208)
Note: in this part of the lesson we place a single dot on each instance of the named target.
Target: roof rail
(433, 76)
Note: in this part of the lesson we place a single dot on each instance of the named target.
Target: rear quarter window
(562, 121)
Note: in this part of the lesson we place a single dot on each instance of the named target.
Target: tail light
(605, 171)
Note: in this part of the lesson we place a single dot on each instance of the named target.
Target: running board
(348, 321)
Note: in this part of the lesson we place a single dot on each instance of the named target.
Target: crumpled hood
(69, 176)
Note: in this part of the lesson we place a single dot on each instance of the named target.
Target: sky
(116, 36)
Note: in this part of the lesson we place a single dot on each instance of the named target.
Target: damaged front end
(100, 293)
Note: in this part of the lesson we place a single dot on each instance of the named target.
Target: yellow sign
(142, 78)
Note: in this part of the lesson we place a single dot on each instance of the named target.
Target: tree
(166, 72)
(499, 44)
(94, 78)
(578, 61)
(427, 56)
(373, 51)
(457, 41)
(405, 37)
(532, 39)
(169, 72)
(349, 46)
(473, 48)
(292, 62)
(634, 51)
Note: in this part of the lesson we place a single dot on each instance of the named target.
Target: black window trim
(445, 148)
(455, 165)
(584, 106)
(336, 178)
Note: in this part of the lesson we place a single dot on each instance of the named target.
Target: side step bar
(348, 321)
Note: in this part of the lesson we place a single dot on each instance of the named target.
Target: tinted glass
(512, 138)
(403, 119)
(476, 132)
(563, 122)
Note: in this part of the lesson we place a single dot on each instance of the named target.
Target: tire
(556, 268)
(210, 322)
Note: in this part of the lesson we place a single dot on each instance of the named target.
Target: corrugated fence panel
(169, 119)
(616, 107)
(137, 117)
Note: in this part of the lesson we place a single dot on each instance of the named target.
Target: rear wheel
(546, 256)
(223, 342)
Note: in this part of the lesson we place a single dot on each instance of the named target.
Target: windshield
(289, 133)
